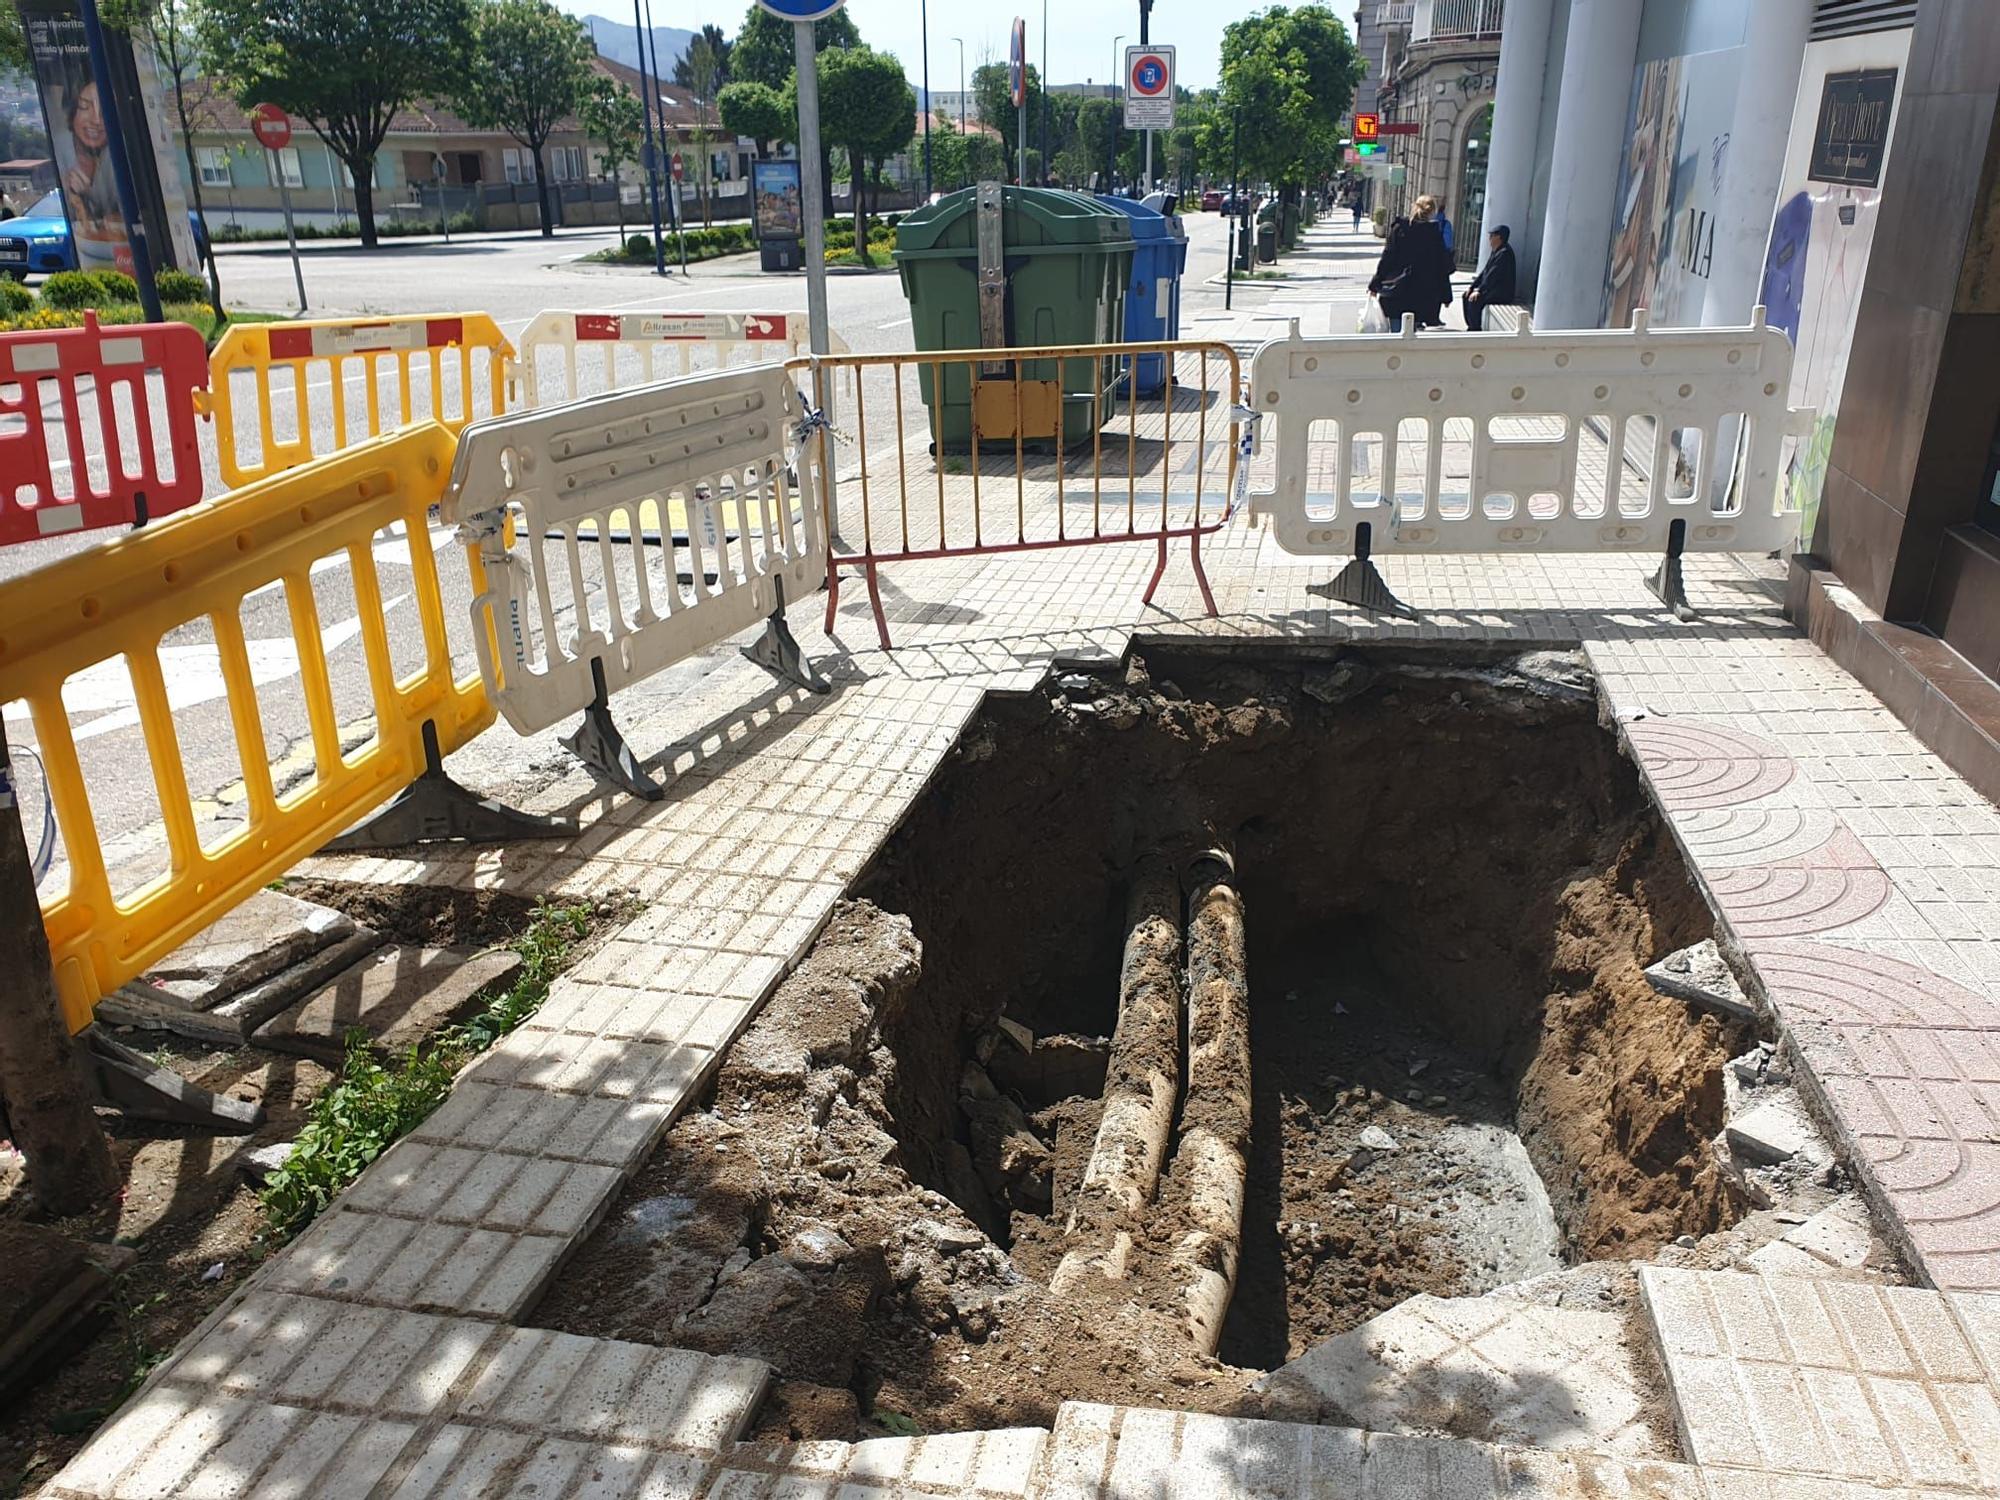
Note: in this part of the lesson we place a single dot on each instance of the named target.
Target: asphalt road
(512, 280)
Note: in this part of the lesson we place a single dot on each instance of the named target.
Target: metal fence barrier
(1614, 440)
(648, 524)
(97, 426)
(565, 356)
(137, 598)
(991, 451)
(284, 393)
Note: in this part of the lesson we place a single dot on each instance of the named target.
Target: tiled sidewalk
(1857, 874)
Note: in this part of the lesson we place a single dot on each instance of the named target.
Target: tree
(344, 66)
(763, 52)
(869, 108)
(758, 111)
(702, 70)
(529, 70)
(48, 1102)
(993, 93)
(711, 40)
(167, 28)
(13, 42)
(614, 117)
(1288, 77)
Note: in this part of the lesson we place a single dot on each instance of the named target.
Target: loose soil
(1452, 883)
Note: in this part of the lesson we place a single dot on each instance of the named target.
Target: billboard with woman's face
(74, 107)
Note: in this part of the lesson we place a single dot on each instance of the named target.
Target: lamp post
(964, 146)
(924, 20)
(1117, 66)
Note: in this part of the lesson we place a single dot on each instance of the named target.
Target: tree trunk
(363, 173)
(48, 1102)
(860, 205)
(618, 204)
(542, 195)
(200, 213)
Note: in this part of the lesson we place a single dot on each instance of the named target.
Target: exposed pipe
(1211, 1159)
(1141, 1087)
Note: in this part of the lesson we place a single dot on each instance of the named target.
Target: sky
(1080, 45)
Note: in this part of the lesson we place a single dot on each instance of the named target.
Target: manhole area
(1200, 1011)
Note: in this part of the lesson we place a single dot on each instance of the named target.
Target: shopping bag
(1371, 318)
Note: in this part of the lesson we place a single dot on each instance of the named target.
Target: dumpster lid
(1032, 219)
(1147, 223)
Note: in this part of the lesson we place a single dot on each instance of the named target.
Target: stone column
(1517, 121)
(1583, 175)
(1774, 49)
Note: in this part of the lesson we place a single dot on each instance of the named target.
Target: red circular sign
(1149, 75)
(272, 127)
(679, 168)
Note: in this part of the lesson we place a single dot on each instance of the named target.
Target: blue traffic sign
(802, 10)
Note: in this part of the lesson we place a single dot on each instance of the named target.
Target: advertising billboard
(775, 198)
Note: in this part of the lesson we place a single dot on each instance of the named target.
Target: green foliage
(344, 66)
(1288, 77)
(762, 52)
(528, 70)
(14, 297)
(707, 56)
(374, 1104)
(639, 246)
(614, 117)
(994, 101)
(758, 111)
(71, 290)
(180, 286)
(116, 286)
(868, 108)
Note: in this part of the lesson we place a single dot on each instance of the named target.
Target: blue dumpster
(1153, 296)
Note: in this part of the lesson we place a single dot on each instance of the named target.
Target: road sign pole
(1021, 136)
(291, 234)
(812, 205)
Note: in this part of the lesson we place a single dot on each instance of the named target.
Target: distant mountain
(620, 42)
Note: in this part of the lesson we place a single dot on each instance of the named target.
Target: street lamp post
(964, 146)
(1117, 67)
(924, 15)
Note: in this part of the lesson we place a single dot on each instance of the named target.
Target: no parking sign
(1149, 88)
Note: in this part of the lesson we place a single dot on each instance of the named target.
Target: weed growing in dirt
(375, 1104)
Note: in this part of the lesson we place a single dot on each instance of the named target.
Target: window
(285, 162)
(374, 173)
(566, 164)
(212, 162)
(510, 161)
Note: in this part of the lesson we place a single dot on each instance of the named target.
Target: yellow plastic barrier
(122, 598)
(283, 394)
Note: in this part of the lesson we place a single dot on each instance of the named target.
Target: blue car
(38, 242)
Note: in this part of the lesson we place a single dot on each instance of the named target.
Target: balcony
(1394, 13)
(1454, 20)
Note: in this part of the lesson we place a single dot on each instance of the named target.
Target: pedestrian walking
(1494, 285)
(1414, 273)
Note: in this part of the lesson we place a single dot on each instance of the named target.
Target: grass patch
(197, 313)
(375, 1104)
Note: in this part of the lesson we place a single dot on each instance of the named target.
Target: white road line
(898, 323)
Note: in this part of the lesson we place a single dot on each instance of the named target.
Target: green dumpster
(1066, 259)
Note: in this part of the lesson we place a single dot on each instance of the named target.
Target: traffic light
(1367, 130)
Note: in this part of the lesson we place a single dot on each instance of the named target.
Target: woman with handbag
(1414, 274)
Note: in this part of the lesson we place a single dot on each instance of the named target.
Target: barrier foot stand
(435, 809)
(600, 745)
(1361, 584)
(777, 649)
(1667, 585)
(140, 1089)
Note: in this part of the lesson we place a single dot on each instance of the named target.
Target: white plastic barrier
(588, 598)
(1478, 442)
(564, 356)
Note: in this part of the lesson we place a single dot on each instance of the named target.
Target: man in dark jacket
(1494, 285)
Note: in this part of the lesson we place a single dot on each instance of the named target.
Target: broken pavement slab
(268, 932)
(399, 996)
(1700, 975)
(1487, 1368)
(230, 1022)
(1775, 1131)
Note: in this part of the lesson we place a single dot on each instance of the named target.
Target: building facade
(1441, 66)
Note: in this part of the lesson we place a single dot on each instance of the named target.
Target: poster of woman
(775, 197)
(75, 115)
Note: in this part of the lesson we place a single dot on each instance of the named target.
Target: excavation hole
(1450, 879)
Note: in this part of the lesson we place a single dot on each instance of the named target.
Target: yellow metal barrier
(124, 598)
(282, 394)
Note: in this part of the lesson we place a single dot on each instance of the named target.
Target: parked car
(1211, 201)
(39, 241)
